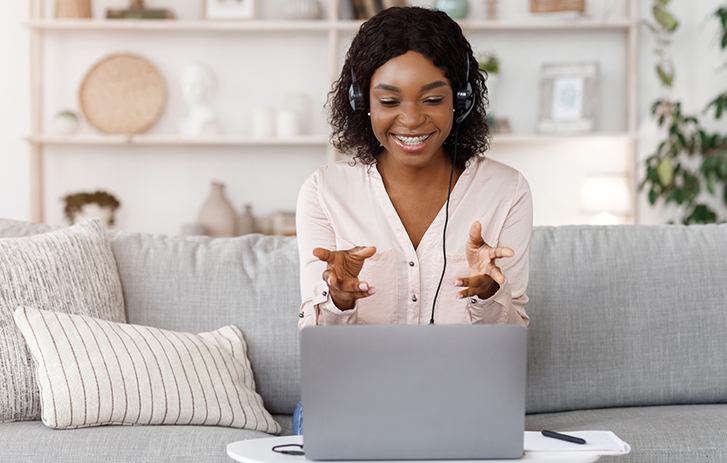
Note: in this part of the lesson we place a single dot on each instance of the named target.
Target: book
(139, 13)
(390, 3)
(346, 10)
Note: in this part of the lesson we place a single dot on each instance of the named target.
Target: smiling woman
(370, 229)
(418, 209)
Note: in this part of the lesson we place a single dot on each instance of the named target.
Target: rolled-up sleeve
(314, 230)
(507, 305)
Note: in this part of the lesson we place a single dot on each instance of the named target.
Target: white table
(259, 451)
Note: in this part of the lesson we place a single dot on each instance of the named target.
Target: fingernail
(458, 283)
(363, 286)
(372, 291)
(328, 281)
(460, 296)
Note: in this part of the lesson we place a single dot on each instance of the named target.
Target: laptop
(413, 392)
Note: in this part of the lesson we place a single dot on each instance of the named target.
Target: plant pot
(456, 9)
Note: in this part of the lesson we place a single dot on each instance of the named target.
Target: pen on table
(565, 437)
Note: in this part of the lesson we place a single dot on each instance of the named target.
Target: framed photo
(568, 97)
(229, 9)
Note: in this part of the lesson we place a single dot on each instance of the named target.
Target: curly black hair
(391, 33)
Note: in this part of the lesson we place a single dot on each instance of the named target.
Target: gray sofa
(627, 334)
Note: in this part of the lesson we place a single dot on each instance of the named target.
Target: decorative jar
(456, 9)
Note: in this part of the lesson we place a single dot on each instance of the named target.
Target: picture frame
(229, 9)
(569, 95)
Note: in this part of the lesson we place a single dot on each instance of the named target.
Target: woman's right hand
(341, 275)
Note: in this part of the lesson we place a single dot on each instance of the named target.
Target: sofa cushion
(92, 372)
(33, 442)
(71, 271)
(627, 316)
(668, 434)
(198, 284)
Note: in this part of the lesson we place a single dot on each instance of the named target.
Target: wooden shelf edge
(160, 140)
(306, 140)
(309, 26)
(515, 139)
(169, 25)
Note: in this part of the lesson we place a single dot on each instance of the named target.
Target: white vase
(246, 223)
(299, 103)
(217, 215)
(286, 125)
(302, 9)
(94, 211)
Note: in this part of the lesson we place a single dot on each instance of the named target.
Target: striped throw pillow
(93, 372)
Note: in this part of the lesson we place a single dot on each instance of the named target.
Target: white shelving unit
(331, 27)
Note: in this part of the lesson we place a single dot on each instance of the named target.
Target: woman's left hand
(484, 277)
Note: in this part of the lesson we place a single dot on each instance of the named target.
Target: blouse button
(473, 300)
(325, 293)
(411, 264)
(414, 298)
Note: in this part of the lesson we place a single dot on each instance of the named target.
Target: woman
(370, 229)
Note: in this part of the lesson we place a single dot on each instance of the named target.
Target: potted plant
(691, 161)
(84, 206)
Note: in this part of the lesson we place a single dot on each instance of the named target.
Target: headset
(355, 95)
(464, 101)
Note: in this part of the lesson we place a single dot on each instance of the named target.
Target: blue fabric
(298, 419)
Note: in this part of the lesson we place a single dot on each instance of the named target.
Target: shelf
(168, 25)
(310, 26)
(333, 31)
(525, 25)
(515, 139)
(174, 140)
(307, 140)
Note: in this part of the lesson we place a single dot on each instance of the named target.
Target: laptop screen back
(413, 392)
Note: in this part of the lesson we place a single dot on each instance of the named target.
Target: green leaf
(664, 18)
(723, 169)
(665, 172)
(709, 164)
(666, 77)
(652, 197)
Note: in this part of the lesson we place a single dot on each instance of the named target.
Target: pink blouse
(343, 205)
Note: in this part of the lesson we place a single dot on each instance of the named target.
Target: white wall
(163, 188)
(14, 112)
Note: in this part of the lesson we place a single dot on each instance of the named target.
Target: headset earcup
(355, 97)
(465, 103)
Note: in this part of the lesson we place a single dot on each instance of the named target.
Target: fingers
(479, 285)
(472, 286)
(359, 252)
(496, 253)
(475, 235)
(323, 254)
(362, 252)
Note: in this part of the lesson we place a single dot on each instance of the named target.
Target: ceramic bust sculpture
(197, 88)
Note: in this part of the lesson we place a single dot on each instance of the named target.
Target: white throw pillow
(93, 372)
(70, 270)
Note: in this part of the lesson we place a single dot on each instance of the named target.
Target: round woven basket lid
(123, 94)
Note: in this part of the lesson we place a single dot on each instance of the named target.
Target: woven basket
(73, 8)
(549, 6)
(123, 94)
